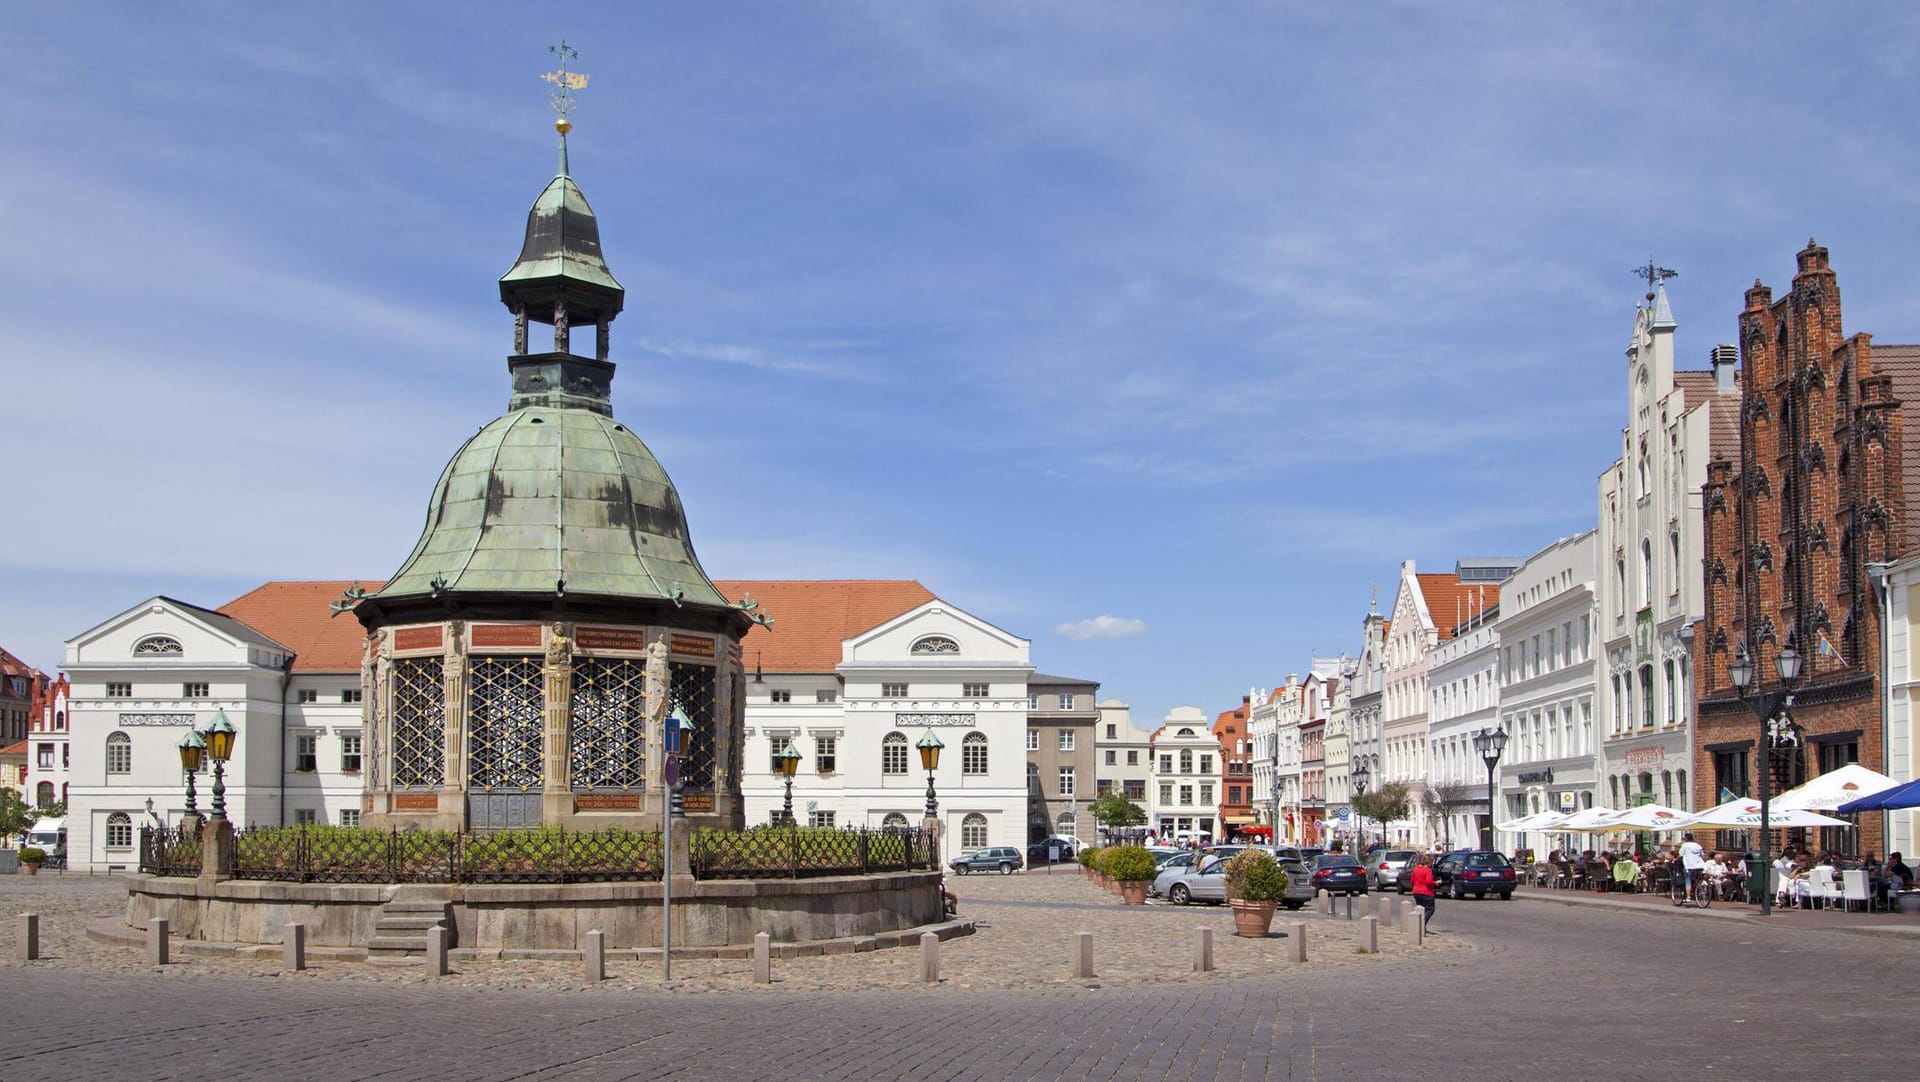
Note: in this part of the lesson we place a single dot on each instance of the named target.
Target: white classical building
(855, 674)
(1262, 710)
(1649, 549)
(1337, 749)
(1186, 775)
(141, 679)
(1123, 753)
(1289, 710)
(1366, 711)
(1464, 677)
(1547, 686)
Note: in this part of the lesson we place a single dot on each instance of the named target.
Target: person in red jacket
(1423, 888)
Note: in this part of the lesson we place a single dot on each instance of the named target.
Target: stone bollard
(1370, 934)
(28, 948)
(1383, 907)
(1203, 950)
(762, 958)
(437, 951)
(157, 941)
(1297, 941)
(595, 956)
(1417, 925)
(1329, 904)
(295, 946)
(1083, 954)
(929, 958)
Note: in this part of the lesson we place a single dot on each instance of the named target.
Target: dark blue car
(1338, 873)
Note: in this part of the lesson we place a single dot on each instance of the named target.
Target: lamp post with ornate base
(1490, 743)
(674, 734)
(193, 752)
(1766, 705)
(1360, 774)
(930, 746)
(789, 760)
(216, 846)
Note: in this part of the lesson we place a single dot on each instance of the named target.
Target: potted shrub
(31, 858)
(1085, 857)
(1255, 884)
(1133, 867)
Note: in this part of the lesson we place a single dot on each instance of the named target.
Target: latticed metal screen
(607, 744)
(419, 722)
(506, 723)
(693, 692)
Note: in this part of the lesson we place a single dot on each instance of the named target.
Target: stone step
(396, 959)
(417, 924)
(397, 943)
(417, 905)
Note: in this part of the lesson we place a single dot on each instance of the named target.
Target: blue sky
(1177, 324)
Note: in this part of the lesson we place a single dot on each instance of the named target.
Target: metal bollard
(437, 950)
(929, 958)
(596, 956)
(1203, 950)
(28, 948)
(1329, 904)
(1083, 954)
(1370, 934)
(762, 958)
(1349, 907)
(1297, 941)
(294, 945)
(157, 941)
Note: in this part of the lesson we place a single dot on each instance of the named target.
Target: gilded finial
(564, 82)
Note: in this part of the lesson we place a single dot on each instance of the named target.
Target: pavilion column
(454, 784)
(562, 330)
(659, 692)
(519, 331)
(557, 799)
(602, 341)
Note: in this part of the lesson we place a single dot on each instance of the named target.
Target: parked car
(1338, 873)
(1181, 884)
(1305, 854)
(1068, 843)
(1162, 853)
(1403, 879)
(1478, 872)
(1049, 852)
(1005, 858)
(1383, 867)
(1178, 862)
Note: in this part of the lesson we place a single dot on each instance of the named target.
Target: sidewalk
(1891, 925)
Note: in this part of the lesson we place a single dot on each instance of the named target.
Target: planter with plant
(31, 858)
(1133, 867)
(1255, 884)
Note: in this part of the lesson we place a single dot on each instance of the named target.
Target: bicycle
(1702, 897)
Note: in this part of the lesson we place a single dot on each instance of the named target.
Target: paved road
(1646, 995)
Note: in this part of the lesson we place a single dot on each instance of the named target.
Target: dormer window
(158, 646)
(936, 644)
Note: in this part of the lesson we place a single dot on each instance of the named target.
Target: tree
(16, 815)
(1447, 799)
(1116, 810)
(1383, 805)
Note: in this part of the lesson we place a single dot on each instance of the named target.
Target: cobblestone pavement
(1647, 996)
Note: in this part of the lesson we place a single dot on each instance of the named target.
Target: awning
(1236, 820)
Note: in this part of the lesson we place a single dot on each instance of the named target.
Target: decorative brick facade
(1814, 497)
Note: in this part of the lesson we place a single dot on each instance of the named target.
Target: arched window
(973, 831)
(158, 646)
(1613, 792)
(894, 821)
(119, 753)
(973, 754)
(119, 831)
(43, 794)
(1646, 696)
(1673, 570)
(1646, 571)
(1186, 760)
(1673, 693)
(1685, 795)
(893, 754)
(935, 644)
(1065, 824)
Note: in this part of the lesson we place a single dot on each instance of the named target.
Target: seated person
(1899, 876)
(1625, 872)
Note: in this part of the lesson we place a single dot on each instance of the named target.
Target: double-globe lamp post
(215, 743)
(193, 754)
(1490, 743)
(1765, 706)
(1360, 774)
(789, 760)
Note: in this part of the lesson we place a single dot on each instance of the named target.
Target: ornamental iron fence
(800, 852)
(169, 851)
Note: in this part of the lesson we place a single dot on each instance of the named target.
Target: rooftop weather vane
(564, 82)
(1653, 275)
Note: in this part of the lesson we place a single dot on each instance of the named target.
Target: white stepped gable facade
(1185, 785)
(934, 668)
(1466, 699)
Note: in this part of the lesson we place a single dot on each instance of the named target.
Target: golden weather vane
(564, 82)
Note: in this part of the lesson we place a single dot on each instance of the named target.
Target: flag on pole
(1825, 648)
(1727, 795)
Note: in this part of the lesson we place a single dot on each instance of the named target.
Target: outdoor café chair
(1854, 888)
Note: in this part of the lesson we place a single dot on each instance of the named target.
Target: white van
(50, 835)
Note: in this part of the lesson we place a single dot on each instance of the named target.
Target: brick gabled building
(1815, 496)
(1236, 768)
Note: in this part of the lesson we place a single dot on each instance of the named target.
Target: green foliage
(16, 815)
(31, 855)
(1385, 804)
(1085, 856)
(1129, 863)
(1254, 876)
(1116, 810)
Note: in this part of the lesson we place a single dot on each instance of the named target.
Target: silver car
(1183, 884)
(1383, 867)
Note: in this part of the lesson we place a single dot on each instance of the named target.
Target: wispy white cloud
(1103, 626)
(757, 358)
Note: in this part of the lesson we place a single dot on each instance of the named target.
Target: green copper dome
(546, 501)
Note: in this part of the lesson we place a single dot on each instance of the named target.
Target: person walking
(1693, 862)
(1423, 888)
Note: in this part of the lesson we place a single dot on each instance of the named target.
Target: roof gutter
(286, 678)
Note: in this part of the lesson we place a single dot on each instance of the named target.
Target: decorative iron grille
(800, 852)
(506, 723)
(693, 692)
(169, 851)
(607, 742)
(351, 855)
(419, 722)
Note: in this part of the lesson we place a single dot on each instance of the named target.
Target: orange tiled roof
(19, 749)
(812, 617)
(13, 666)
(1696, 384)
(1451, 602)
(296, 614)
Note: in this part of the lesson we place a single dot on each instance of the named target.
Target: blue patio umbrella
(1900, 796)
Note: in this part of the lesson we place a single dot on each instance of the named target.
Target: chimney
(1726, 358)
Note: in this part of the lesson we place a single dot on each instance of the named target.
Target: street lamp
(1490, 743)
(789, 762)
(1360, 776)
(193, 754)
(674, 734)
(930, 746)
(220, 735)
(1765, 704)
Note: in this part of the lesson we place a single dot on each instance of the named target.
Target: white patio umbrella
(1654, 817)
(1834, 788)
(1540, 820)
(1596, 820)
(1745, 812)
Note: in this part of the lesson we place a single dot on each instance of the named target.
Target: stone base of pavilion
(711, 918)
